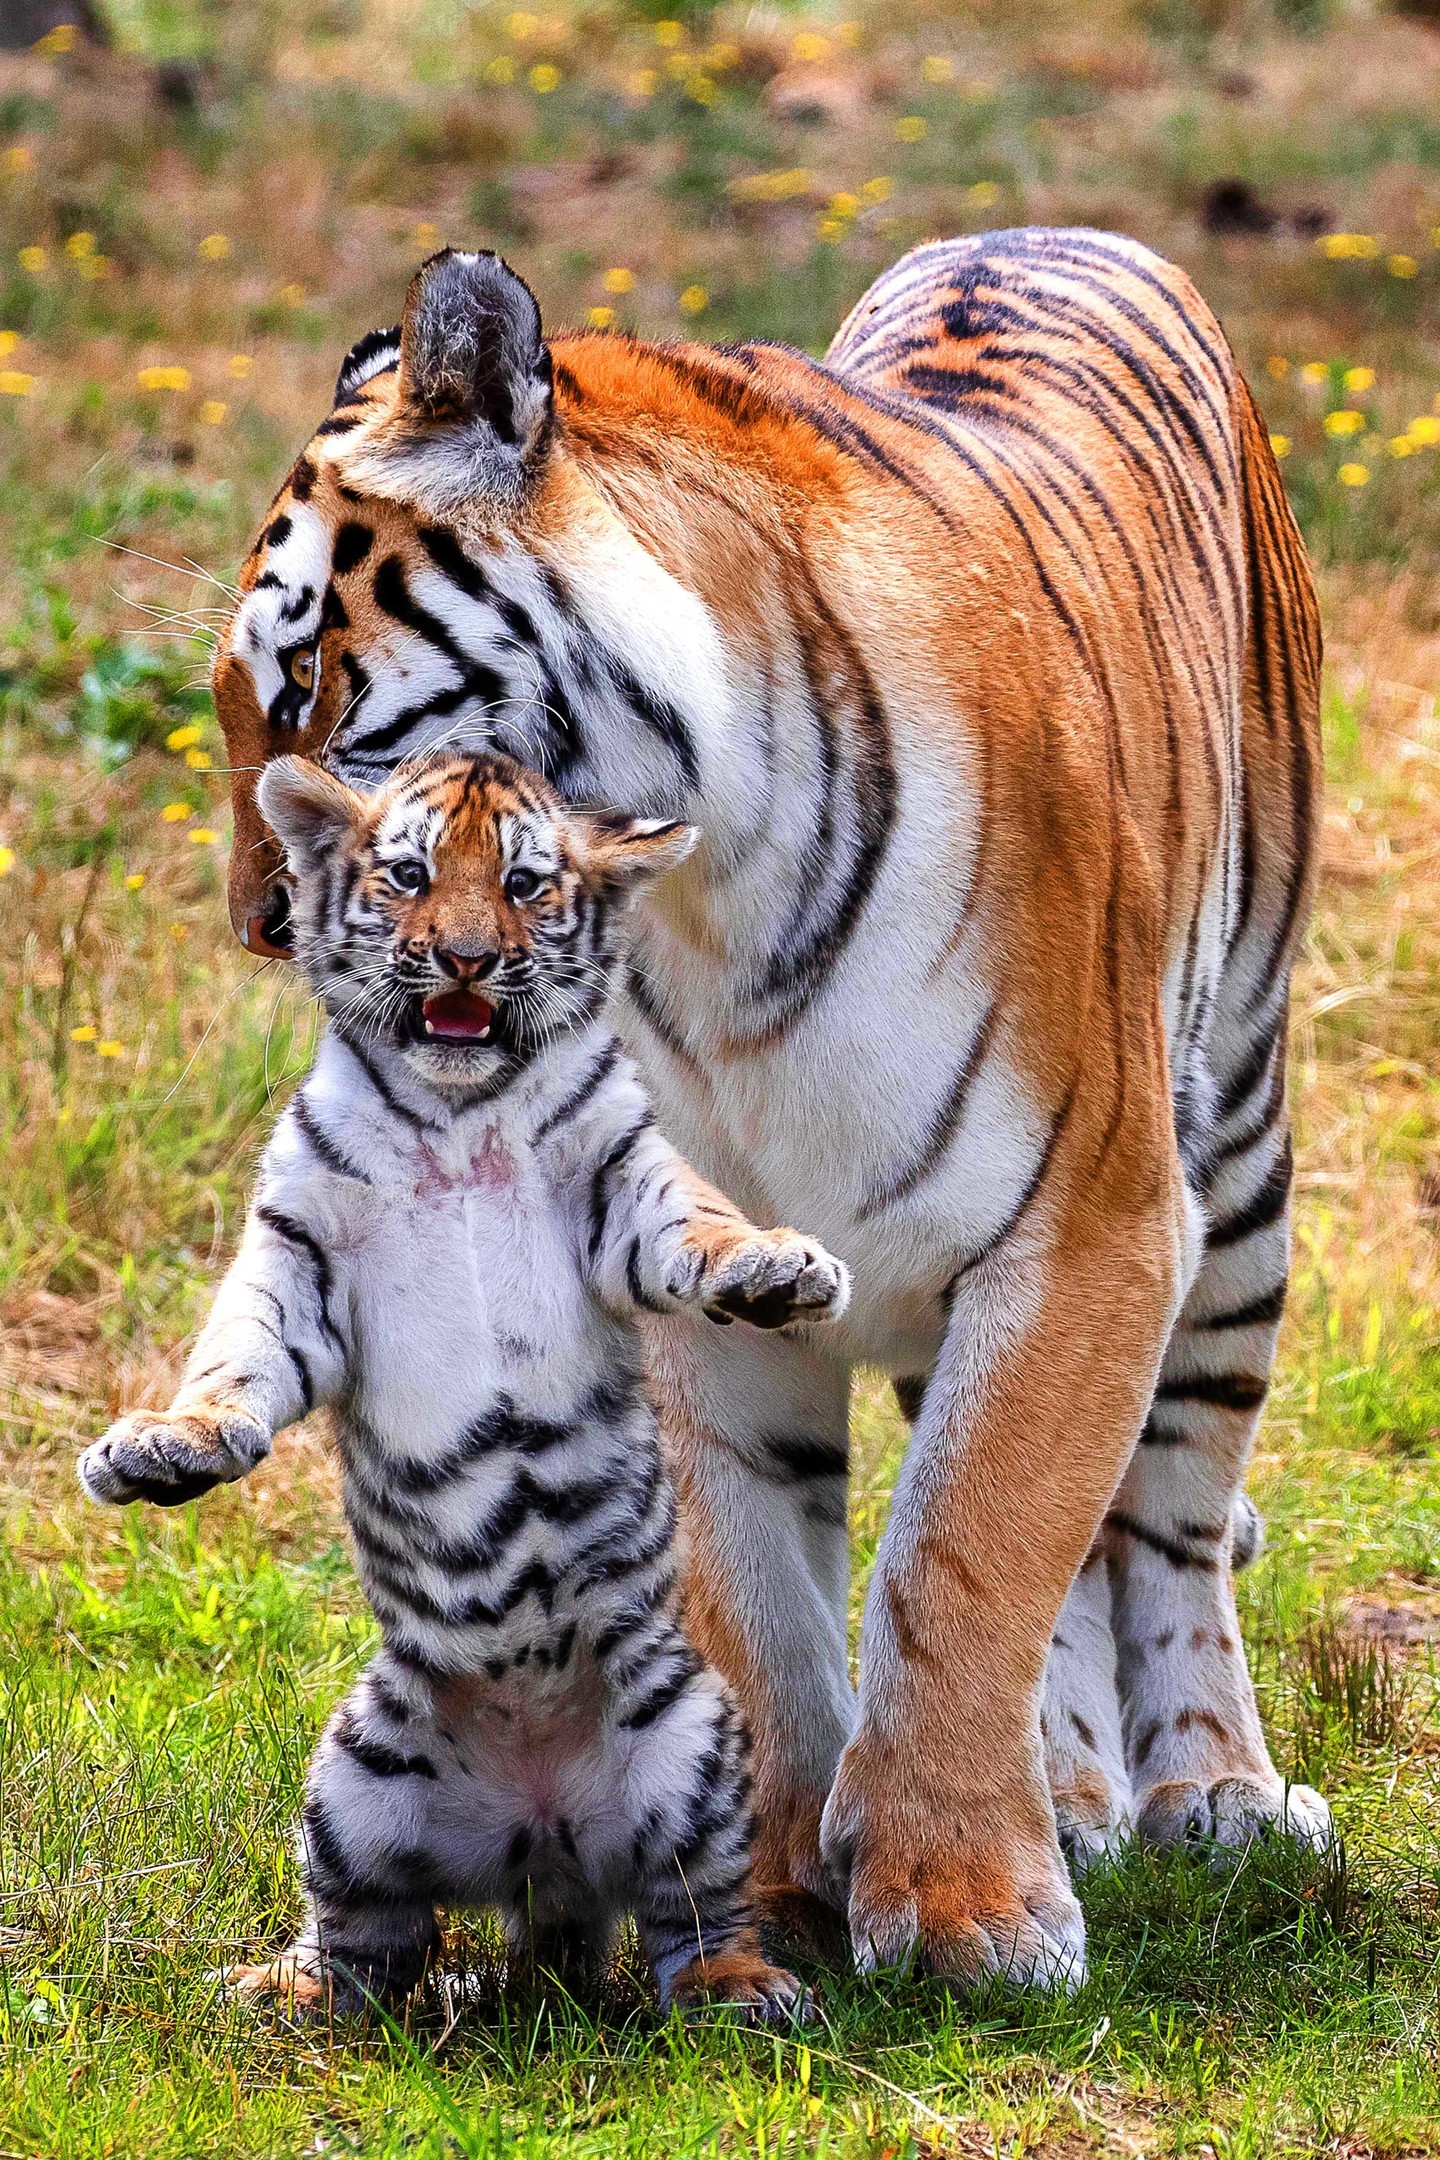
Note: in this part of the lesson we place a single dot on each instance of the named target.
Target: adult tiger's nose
(272, 934)
(468, 965)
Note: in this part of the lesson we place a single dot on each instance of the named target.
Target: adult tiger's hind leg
(1198, 1759)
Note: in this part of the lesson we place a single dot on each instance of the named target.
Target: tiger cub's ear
(625, 853)
(308, 809)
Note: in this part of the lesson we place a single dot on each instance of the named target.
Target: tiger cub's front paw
(770, 1279)
(170, 1457)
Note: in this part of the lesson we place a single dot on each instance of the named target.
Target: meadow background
(194, 225)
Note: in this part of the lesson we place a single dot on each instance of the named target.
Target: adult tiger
(986, 655)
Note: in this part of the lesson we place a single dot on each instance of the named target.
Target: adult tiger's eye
(302, 667)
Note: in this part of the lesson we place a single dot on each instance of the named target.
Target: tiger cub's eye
(302, 667)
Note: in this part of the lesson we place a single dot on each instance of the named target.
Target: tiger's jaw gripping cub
(457, 1219)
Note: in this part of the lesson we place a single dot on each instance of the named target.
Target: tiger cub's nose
(467, 963)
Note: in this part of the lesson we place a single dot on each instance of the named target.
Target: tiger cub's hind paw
(743, 1980)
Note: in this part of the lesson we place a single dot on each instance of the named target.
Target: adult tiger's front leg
(940, 1814)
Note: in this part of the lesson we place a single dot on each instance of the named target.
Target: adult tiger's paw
(1231, 1813)
(771, 1279)
(970, 1902)
(170, 1457)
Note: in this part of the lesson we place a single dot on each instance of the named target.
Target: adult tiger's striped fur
(457, 1218)
(986, 654)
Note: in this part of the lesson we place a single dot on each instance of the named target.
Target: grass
(234, 223)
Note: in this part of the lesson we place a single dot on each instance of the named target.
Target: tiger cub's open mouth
(458, 1016)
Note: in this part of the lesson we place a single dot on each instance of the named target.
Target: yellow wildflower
(1280, 444)
(772, 186)
(880, 189)
(203, 836)
(521, 26)
(844, 206)
(181, 738)
(1402, 446)
(292, 294)
(7, 861)
(848, 34)
(1344, 423)
(913, 127)
(1315, 371)
(694, 300)
(544, 78)
(15, 383)
(94, 267)
(214, 247)
(983, 193)
(1353, 475)
(33, 259)
(619, 280)
(175, 813)
(79, 245)
(199, 760)
(831, 229)
(1401, 266)
(59, 40)
(213, 411)
(1278, 366)
(135, 880)
(1358, 379)
(669, 33)
(19, 158)
(701, 90)
(809, 45)
(500, 70)
(84, 1034)
(163, 378)
(9, 339)
(600, 318)
(936, 68)
(643, 83)
(1425, 429)
(1349, 247)
(111, 1049)
(720, 57)
(179, 931)
(240, 365)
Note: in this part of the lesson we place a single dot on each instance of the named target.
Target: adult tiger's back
(985, 656)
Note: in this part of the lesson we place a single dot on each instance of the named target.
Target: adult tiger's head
(442, 567)
(462, 914)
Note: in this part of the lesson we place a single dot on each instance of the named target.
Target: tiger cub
(456, 1219)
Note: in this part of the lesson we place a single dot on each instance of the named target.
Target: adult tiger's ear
(472, 353)
(625, 853)
(309, 811)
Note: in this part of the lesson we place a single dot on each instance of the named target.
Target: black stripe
(375, 1756)
(1179, 1556)
(327, 1150)
(943, 1127)
(299, 1239)
(1260, 1213)
(803, 1460)
(599, 1194)
(1260, 1312)
(1222, 1391)
(1018, 1211)
(579, 1095)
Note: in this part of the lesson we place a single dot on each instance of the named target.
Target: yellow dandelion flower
(831, 229)
(199, 760)
(1425, 429)
(600, 318)
(843, 205)
(292, 294)
(1278, 366)
(701, 90)
(1401, 266)
(163, 378)
(772, 186)
(7, 861)
(1345, 422)
(521, 26)
(1402, 446)
(213, 411)
(110, 1049)
(33, 259)
(9, 339)
(619, 280)
(643, 83)
(79, 245)
(1280, 444)
(912, 127)
(937, 69)
(848, 34)
(135, 880)
(425, 234)
(240, 365)
(880, 189)
(544, 78)
(94, 268)
(1358, 379)
(15, 383)
(694, 300)
(181, 738)
(500, 70)
(983, 193)
(175, 813)
(179, 931)
(214, 247)
(809, 45)
(720, 57)
(84, 1034)
(19, 158)
(203, 836)
(1349, 247)
(59, 40)
(669, 33)
(1353, 476)
(1315, 371)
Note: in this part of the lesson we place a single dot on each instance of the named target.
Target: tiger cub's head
(463, 914)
